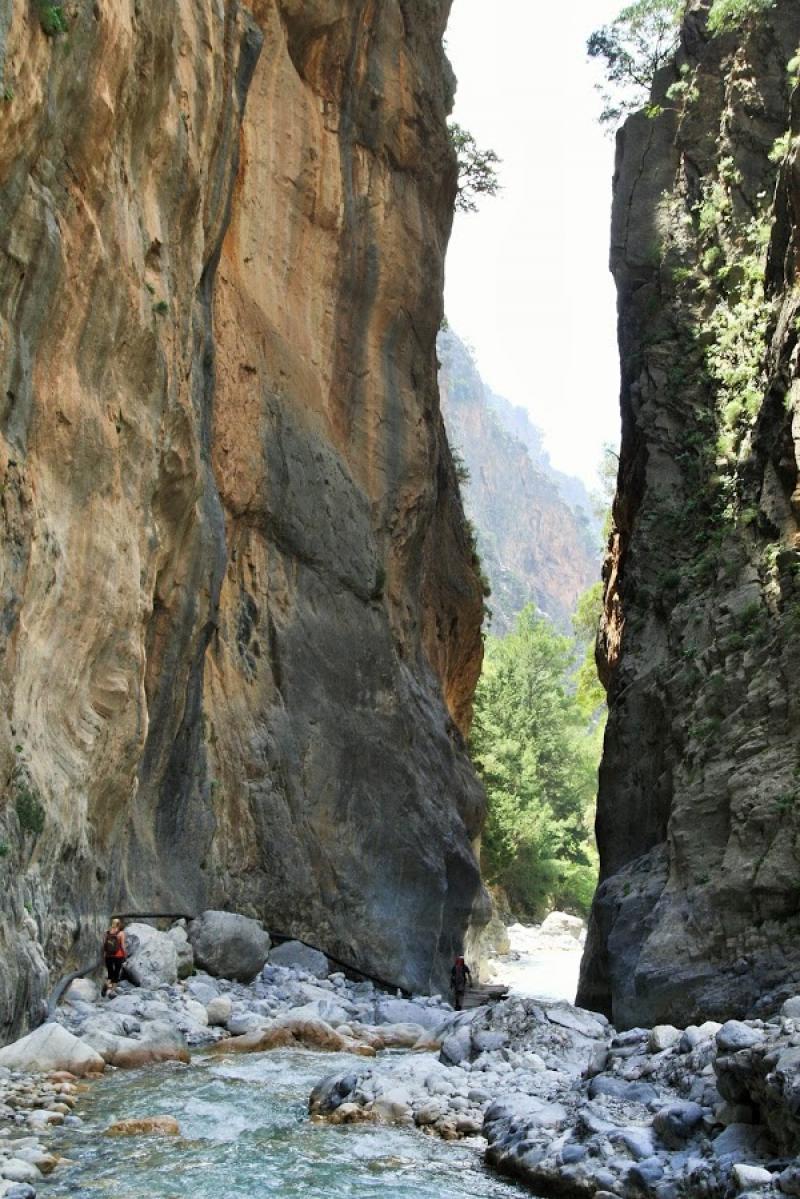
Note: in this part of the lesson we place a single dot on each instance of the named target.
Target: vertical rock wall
(698, 912)
(241, 627)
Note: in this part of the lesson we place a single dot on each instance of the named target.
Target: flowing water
(245, 1134)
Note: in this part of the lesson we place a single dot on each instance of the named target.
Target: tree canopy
(537, 756)
(727, 15)
(643, 38)
(636, 44)
(477, 169)
(589, 691)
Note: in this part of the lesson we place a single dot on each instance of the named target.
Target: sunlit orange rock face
(241, 627)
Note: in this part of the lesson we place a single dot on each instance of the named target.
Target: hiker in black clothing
(460, 979)
(115, 952)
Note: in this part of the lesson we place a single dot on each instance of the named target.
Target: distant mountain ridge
(536, 532)
(516, 420)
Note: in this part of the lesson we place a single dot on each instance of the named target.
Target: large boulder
(562, 924)
(158, 1042)
(82, 990)
(17, 1170)
(202, 987)
(677, 1122)
(196, 1012)
(319, 1009)
(403, 1036)
(178, 937)
(49, 1048)
(298, 956)
(406, 1011)
(152, 956)
(735, 1035)
(218, 1010)
(228, 945)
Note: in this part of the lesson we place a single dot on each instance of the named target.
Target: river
(245, 1134)
(245, 1131)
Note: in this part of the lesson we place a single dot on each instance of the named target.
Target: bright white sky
(527, 275)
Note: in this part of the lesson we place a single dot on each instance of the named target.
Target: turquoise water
(245, 1134)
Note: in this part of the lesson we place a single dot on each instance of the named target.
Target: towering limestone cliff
(699, 806)
(535, 546)
(241, 624)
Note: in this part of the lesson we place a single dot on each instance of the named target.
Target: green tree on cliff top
(477, 169)
(636, 44)
(643, 38)
(727, 15)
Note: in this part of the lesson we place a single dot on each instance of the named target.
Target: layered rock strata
(698, 912)
(241, 624)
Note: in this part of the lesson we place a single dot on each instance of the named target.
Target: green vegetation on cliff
(699, 781)
(643, 38)
(477, 169)
(636, 44)
(52, 18)
(727, 15)
(589, 692)
(537, 755)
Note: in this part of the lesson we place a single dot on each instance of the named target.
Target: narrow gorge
(254, 496)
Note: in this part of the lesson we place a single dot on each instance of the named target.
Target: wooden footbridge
(481, 994)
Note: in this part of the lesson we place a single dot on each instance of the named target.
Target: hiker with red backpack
(460, 979)
(115, 952)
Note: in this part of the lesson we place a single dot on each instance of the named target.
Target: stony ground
(542, 959)
(555, 1095)
(574, 1108)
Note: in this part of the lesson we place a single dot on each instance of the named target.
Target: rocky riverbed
(541, 959)
(552, 1094)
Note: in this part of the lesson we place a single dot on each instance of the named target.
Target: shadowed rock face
(698, 912)
(241, 627)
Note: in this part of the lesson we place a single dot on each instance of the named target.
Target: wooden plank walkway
(484, 993)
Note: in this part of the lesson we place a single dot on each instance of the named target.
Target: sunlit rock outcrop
(241, 624)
